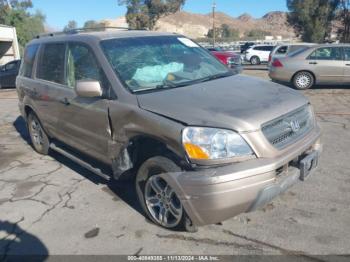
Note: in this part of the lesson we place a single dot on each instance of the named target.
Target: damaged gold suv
(205, 144)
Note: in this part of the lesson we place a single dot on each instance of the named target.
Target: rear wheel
(255, 60)
(39, 139)
(303, 80)
(157, 198)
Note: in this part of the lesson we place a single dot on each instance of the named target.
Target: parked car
(246, 46)
(8, 74)
(281, 51)
(205, 144)
(258, 54)
(322, 64)
(229, 58)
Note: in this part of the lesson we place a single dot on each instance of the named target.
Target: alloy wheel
(162, 202)
(255, 61)
(36, 133)
(303, 80)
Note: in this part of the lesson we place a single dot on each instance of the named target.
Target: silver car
(284, 50)
(321, 64)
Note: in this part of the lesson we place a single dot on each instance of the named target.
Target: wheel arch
(141, 147)
(304, 70)
(27, 109)
(148, 146)
(255, 56)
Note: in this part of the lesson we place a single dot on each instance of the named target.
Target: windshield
(149, 63)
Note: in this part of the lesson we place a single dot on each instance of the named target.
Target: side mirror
(88, 88)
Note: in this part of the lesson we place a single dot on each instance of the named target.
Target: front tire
(39, 138)
(157, 198)
(303, 80)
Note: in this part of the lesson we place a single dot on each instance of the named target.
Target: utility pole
(214, 33)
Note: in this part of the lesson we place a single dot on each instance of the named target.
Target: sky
(58, 13)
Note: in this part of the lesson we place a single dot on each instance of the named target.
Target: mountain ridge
(196, 25)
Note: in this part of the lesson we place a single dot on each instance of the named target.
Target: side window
(327, 53)
(82, 65)
(10, 66)
(294, 48)
(258, 48)
(347, 53)
(282, 50)
(28, 60)
(51, 63)
(269, 48)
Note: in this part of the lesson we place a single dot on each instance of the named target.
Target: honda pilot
(203, 144)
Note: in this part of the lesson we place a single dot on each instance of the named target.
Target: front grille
(289, 128)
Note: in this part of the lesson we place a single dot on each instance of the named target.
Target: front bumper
(213, 195)
(236, 68)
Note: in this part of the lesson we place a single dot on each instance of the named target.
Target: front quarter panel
(130, 121)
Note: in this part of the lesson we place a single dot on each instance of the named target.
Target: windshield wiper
(169, 85)
(206, 79)
(214, 77)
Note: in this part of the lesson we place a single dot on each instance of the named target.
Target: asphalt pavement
(49, 205)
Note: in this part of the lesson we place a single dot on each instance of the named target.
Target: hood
(240, 103)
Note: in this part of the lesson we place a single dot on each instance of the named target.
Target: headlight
(234, 61)
(213, 144)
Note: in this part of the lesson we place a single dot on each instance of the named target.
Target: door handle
(65, 101)
(313, 63)
(347, 64)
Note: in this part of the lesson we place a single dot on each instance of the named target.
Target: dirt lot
(50, 205)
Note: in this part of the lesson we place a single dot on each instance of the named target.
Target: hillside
(197, 25)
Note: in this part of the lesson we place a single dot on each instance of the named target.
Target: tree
(211, 32)
(257, 34)
(312, 19)
(344, 17)
(229, 32)
(225, 31)
(70, 26)
(92, 24)
(143, 14)
(15, 13)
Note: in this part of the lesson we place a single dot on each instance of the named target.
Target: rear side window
(298, 51)
(263, 48)
(268, 48)
(347, 53)
(282, 50)
(51, 63)
(327, 53)
(28, 60)
(294, 48)
(11, 66)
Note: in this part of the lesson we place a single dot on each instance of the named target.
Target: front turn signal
(195, 152)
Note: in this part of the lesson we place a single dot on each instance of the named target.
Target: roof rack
(81, 30)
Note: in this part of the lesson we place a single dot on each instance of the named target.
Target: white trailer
(9, 49)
